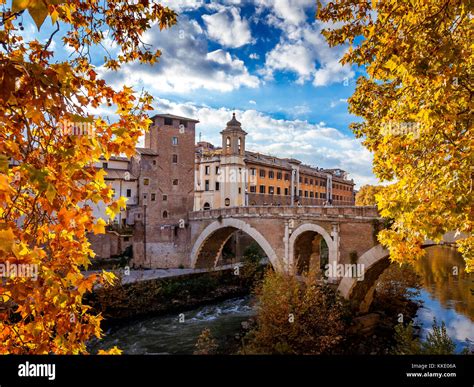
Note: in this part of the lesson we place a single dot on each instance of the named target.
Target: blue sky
(264, 59)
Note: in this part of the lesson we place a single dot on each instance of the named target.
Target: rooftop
(172, 116)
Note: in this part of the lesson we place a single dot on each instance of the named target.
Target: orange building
(234, 176)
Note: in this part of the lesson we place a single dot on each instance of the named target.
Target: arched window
(227, 202)
(227, 142)
(207, 206)
(165, 214)
(240, 144)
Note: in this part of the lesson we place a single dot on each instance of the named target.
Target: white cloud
(252, 102)
(315, 144)
(304, 52)
(228, 28)
(185, 64)
(291, 12)
(183, 5)
(340, 101)
(254, 56)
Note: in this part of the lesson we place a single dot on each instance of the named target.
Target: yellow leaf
(111, 351)
(38, 11)
(99, 227)
(19, 5)
(7, 239)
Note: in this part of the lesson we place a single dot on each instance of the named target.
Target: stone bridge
(291, 238)
(288, 235)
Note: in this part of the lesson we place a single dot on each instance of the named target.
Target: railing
(319, 211)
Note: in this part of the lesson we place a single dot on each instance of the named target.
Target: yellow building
(231, 176)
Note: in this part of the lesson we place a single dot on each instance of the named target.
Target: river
(446, 293)
(177, 334)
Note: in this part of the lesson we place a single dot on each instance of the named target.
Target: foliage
(206, 344)
(437, 342)
(366, 195)
(407, 344)
(296, 318)
(49, 142)
(252, 269)
(415, 103)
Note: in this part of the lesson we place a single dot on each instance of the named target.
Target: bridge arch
(208, 246)
(375, 261)
(310, 228)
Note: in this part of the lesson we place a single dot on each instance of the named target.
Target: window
(146, 181)
(305, 194)
(253, 171)
(271, 190)
(253, 188)
(165, 214)
(207, 169)
(174, 141)
(300, 179)
(206, 206)
(287, 176)
(129, 193)
(227, 142)
(206, 185)
(184, 123)
(218, 170)
(105, 165)
(262, 173)
(165, 198)
(240, 190)
(286, 191)
(316, 195)
(175, 182)
(278, 191)
(175, 159)
(153, 197)
(279, 175)
(126, 239)
(168, 121)
(262, 189)
(227, 202)
(218, 186)
(300, 193)
(311, 194)
(306, 180)
(271, 174)
(311, 181)
(240, 144)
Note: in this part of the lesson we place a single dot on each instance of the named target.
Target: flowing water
(446, 294)
(177, 334)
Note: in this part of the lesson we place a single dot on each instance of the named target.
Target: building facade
(158, 182)
(231, 176)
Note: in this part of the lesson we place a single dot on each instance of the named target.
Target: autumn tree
(366, 195)
(415, 100)
(49, 142)
(295, 317)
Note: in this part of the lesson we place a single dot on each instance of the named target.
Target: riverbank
(150, 294)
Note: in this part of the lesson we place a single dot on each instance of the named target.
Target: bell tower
(233, 175)
(233, 138)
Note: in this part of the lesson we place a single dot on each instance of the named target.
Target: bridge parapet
(288, 211)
